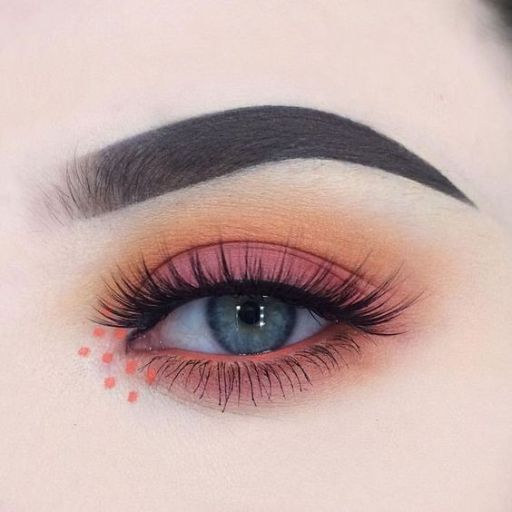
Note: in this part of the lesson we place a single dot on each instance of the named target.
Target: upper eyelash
(139, 299)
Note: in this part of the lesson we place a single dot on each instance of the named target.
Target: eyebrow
(504, 11)
(201, 148)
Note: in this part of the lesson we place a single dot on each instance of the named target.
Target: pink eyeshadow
(240, 256)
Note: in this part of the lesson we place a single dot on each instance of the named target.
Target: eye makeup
(245, 230)
(348, 306)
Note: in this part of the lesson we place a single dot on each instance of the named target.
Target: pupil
(249, 312)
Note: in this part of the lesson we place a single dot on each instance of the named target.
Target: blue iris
(250, 325)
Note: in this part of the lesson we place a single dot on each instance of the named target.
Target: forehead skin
(76, 76)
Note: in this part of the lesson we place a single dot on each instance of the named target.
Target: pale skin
(428, 428)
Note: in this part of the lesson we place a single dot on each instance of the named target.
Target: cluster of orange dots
(107, 358)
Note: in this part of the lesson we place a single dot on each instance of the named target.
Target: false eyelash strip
(138, 299)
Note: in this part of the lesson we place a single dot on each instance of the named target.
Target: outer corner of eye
(249, 323)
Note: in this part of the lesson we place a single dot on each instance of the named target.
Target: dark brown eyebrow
(201, 148)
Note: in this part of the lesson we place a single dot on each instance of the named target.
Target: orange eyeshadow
(131, 366)
(98, 332)
(133, 396)
(107, 357)
(109, 382)
(84, 351)
(119, 334)
(150, 375)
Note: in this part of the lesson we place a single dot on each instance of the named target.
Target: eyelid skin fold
(359, 310)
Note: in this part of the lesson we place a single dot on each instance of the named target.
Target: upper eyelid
(201, 148)
(191, 273)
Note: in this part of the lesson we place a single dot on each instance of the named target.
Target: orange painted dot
(110, 382)
(107, 357)
(119, 334)
(84, 351)
(131, 366)
(133, 396)
(150, 375)
(98, 332)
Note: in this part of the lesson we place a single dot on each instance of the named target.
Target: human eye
(246, 290)
(246, 322)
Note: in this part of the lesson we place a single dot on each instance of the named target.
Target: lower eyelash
(249, 381)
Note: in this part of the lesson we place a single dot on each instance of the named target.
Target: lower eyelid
(262, 379)
(292, 373)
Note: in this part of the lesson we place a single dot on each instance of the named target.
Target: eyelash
(139, 299)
